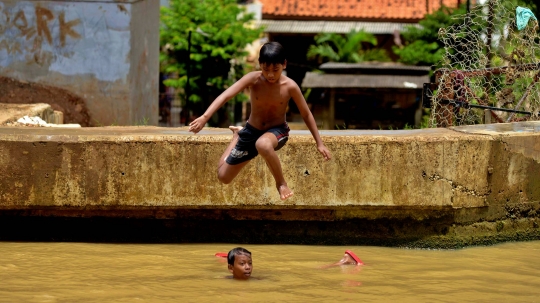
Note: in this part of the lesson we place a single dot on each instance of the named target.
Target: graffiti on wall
(33, 31)
(69, 38)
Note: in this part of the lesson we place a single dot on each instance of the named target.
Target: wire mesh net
(490, 70)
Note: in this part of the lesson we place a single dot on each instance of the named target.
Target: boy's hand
(324, 152)
(196, 125)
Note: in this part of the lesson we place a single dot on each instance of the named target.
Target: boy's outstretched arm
(298, 98)
(196, 125)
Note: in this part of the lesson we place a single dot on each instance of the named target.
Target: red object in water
(221, 255)
(355, 257)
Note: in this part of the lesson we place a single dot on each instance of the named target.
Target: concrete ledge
(412, 188)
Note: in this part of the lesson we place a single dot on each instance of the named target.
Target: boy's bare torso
(269, 101)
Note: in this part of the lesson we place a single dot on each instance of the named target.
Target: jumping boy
(239, 263)
(266, 130)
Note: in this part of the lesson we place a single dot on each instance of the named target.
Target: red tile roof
(384, 10)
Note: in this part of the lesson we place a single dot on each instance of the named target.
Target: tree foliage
(220, 32)
(346, 48)
(421, 43)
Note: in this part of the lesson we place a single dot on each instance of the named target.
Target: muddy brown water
(89, 272)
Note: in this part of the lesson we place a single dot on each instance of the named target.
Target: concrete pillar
(487, 116)
(106, 52)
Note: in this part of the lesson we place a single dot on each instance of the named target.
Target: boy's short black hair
(272, 53)
(236, 251)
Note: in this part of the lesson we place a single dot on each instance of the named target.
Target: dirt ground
(18, 92)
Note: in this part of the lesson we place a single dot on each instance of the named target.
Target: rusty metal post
(444, 110)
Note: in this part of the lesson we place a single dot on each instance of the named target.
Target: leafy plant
(346, 48)
(421, 43)
(220, 31)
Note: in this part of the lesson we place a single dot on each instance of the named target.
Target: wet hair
(272, 53)
(237, 252)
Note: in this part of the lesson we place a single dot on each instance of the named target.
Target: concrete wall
(146, 167)
(106, 52)
(466, 184)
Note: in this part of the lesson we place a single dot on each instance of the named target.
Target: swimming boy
(239, 263)
(349, 258)
(266, 130)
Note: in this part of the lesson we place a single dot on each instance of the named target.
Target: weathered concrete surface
(106, 52)
(432, 187)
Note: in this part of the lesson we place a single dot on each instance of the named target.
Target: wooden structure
(366, 95)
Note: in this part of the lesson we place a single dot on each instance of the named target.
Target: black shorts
(245, 147)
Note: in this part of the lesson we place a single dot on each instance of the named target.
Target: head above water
(239, 263)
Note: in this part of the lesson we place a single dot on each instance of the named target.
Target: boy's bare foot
(235, 129)
(285, 192)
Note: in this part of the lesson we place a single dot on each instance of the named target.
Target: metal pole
(187, 89)
(468, 6)
(492, 108)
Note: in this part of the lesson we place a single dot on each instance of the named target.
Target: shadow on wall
(13, 91)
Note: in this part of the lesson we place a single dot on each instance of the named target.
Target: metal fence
(491, 69)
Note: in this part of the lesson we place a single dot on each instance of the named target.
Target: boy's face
(272, 72)
(242, 267)
(346, 260)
